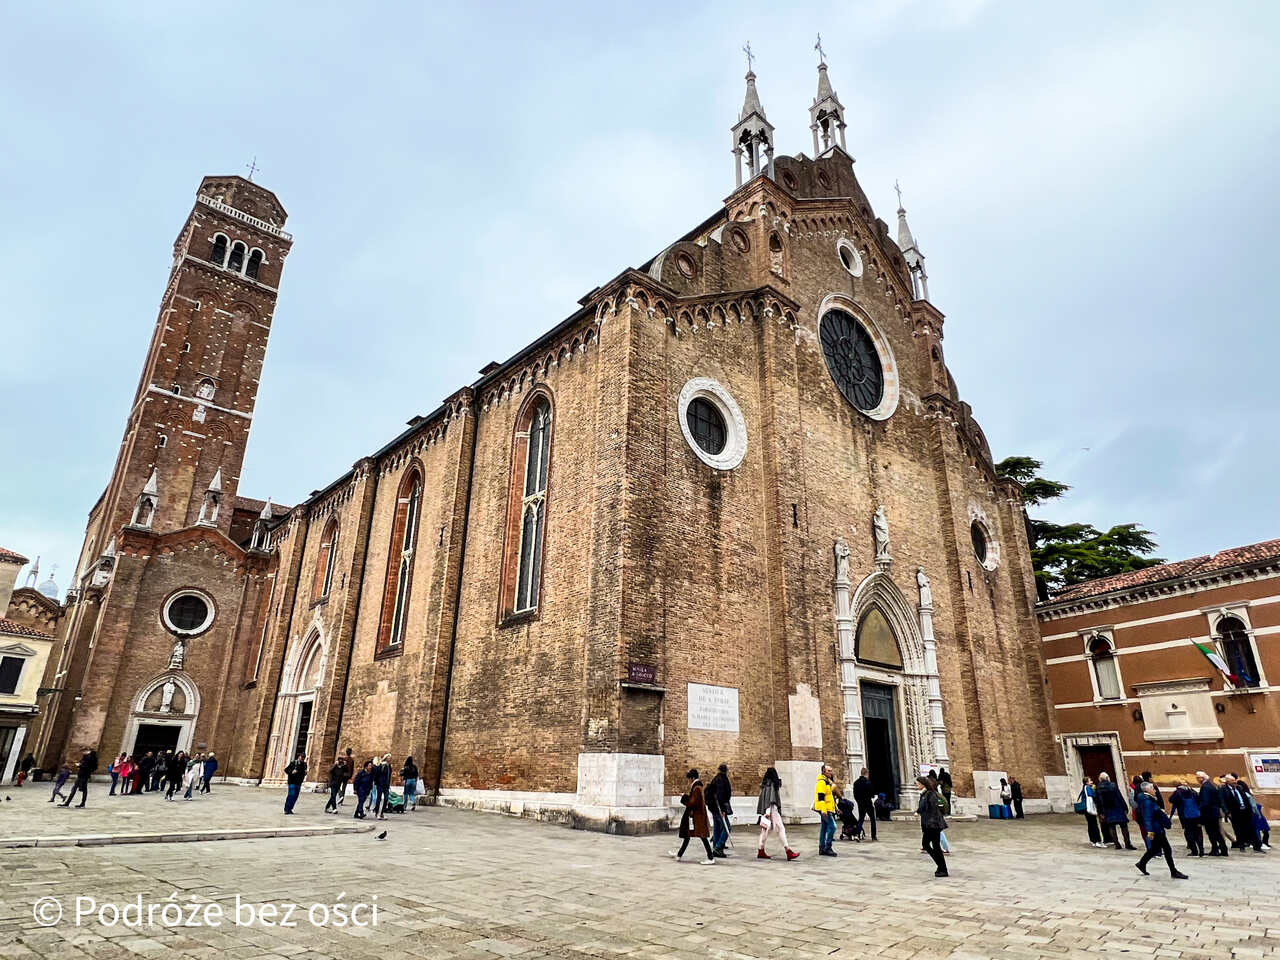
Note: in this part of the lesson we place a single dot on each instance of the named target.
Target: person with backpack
(932, 823)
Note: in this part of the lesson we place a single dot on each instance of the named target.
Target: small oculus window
(712, 423)
(979, 538)
(849, 257)
(188, 613)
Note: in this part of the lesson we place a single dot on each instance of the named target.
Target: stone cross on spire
(822, 55)
(750, 56)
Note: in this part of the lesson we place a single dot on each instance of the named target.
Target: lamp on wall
(1137, 715)
(1220, 708)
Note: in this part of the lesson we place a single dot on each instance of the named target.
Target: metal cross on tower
(822, 54)
(253, 167)
(898, 190)
(750, 56)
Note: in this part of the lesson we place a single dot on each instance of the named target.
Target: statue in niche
(179, 654)
(166, 701)
(880, 529)
(842, 559)
(926, 591)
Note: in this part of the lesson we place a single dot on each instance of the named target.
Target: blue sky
(1095, 187)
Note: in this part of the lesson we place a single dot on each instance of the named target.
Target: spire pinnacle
(826, 116)
(752, 134)
(911, 252)
(215, 485)
(266, 511)
(153, 482)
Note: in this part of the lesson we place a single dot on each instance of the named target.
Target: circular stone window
(686, 266)
(712, 424)
(188, 613)
(979, 538)
(985, 546)
(849, 256)
(740, 240)
(788, 180)
(823, 180)
(859, 362)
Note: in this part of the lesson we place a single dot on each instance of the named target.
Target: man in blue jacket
(1113, 812)
(1210, 803)
(1155, 821)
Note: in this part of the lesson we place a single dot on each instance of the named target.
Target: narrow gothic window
(404, 535)
(1104, 669)
(255, 261)
(1237, 651)
(326, 557)
(236, 260)
(218, 254)
(527, 509)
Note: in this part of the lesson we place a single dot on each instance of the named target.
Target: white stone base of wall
(1062, 794)
(799, 777)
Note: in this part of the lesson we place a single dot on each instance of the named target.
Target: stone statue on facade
(166, 701)
(842, 560)
(179, 654)
(926, 591)
(880, 529)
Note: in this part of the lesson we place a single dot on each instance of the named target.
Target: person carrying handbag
(693, 822)
(1087, 804)
(769, 814)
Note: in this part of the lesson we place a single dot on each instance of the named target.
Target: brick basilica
(732, 508)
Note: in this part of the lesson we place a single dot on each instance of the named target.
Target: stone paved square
(457, 884)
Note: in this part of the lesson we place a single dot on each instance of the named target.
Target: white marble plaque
(713, 708)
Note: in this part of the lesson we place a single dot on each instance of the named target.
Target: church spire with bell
(911, 253)
(826, 116)
(752, 134)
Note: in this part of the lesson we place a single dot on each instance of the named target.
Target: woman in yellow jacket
(824, 803)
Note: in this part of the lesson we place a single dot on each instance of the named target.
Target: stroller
(848, 818)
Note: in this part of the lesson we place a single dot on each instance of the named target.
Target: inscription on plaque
(642, 673)
(713, 708)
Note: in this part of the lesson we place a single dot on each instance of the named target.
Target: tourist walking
(409, 774)
(864, 795)
(1113, 812)
(191, 777)
(64, 774)
(362, 784)
(113, 768)
(1209, 800)
(1187, 805)
(382, 783)
(210, 768)
(824, 804)
(174, 772)
(1260, 825)
(335, 785)
(719, 802)
(160, 772)
(769, 814)
(1087, 804)
(145, 766)
(348, 771)
(88, 767)
(1238, 805)
(1015, 794)
(294, 774)
(932, 823)
(1155, 821)
(944, 784)
(693, 822)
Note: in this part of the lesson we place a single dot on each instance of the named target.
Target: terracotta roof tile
(1222, 560)
(8, 556)
(15, 629)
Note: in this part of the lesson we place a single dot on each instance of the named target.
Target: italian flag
(1218, 662)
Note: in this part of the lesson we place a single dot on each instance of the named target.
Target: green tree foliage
(1064, 554)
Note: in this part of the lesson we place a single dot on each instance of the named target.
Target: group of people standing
(708, 808)
(1213, 810)
(169, 771)
(370, 783)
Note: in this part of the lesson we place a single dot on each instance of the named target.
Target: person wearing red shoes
(769, 813)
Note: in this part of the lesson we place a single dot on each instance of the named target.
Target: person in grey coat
(769, 814)
(932, 823)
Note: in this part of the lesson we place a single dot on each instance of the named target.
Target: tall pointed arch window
(326, 557)
(404, 536)
(527, 511)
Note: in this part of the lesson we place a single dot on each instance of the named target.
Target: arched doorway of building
(295, 724)
(163, 716)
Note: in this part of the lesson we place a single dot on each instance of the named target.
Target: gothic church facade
(731, 509)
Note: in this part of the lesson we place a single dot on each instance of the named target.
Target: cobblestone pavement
(456, 884)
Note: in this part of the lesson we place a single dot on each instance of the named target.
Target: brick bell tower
(189, 422)
(179, 461)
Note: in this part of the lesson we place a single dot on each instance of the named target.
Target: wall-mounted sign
(641, 673)
(1266, 770)
(713, 708)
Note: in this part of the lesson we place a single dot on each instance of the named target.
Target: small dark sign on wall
(641, 673)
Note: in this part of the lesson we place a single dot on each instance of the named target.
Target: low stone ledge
(191, 836)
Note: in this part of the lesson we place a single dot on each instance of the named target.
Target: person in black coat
(294, 774)
(1113, 812)
(337, 776)
(720, 804)
(1015, 792)
(88, 766)
(1238, 805)
(1155, 822)
(382, 780)
(1210, 802)
(145, 766)
(864, 795)
(362, 784)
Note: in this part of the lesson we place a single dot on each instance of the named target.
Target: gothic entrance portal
(880, 728)
(156, 738)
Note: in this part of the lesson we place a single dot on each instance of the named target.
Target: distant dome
(49, 588)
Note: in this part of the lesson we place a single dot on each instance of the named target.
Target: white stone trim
(210, 607)
(889, 366)
(1239, 610)
(735, 444)
(1086, 637)
(844, 243)
(979, 516)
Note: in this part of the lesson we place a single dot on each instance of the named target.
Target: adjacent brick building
(28, 623)
(1135, 689)
(732, 508)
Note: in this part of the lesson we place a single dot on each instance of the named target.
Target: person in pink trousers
(769, 811)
